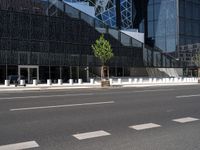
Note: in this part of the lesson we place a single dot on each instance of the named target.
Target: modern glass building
(116, 13)
(167, 24)
(39, 43)
(173, 23)
(162, 21)
(46, 40)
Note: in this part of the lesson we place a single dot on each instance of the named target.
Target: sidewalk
(40, 87)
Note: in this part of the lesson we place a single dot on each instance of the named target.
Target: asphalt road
(102, 119)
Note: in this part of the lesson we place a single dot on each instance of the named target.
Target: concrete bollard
(130, 80)
(35, 82)
(119, 81)
(154, 80)
(164, 80)
(175, 79)
(167, 80)
(140, 80)
(60, 81)
(22, 82)
(160, 81)
(71, 81)
(7, 82)
(91, 81)
(80, 81)
(150, 80)
(49, 82)
(135, 80)
(111, 81)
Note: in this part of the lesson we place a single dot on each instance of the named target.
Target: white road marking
(138, 91)
(145, 126)
(61, 106)
(187, 96)
(45, 96)
(81, 94)
(185, 120)
(20, 146)
(89, 135)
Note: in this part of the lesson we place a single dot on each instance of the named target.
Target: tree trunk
(104, 80)
(102, 73)
(198, 72)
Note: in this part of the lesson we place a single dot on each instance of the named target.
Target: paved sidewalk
(40, 87)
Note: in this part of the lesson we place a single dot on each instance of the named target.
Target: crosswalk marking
(20, 146)
(89, 135)
(145, 126)
(185, 120)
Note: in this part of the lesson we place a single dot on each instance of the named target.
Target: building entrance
(29, 73)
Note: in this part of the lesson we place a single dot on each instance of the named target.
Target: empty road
(153, 118)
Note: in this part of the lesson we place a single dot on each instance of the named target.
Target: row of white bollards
(153, 80)
(119, 81)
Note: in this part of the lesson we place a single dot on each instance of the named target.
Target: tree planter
(105, 83)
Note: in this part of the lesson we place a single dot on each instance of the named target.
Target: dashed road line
(185, 120)
(20, 146)
(145, 126)
(45, 96)
(61, 106)
(188, 96)
(89, 135)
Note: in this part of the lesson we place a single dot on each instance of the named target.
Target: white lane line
(139, 91)
(185, 120)
(45, 96)
(20, 146)
(89, 135)
(145, 126)
(61, 106)
(187, 96)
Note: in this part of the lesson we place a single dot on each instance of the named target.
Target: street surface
(152, 118)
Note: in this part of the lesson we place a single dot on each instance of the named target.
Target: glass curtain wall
(111, 10)
(162, 24)
(189, 17)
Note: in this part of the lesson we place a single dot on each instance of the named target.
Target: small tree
(196, 60)
(102, 50)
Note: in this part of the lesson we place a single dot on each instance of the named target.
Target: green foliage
(196, 59)
(102, 50)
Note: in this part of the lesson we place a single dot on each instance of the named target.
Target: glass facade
(189, 22)
(111, 10)
(106, 11)
(128, 12)
(59, 45)
(162, 24)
